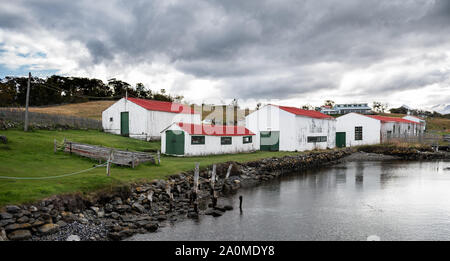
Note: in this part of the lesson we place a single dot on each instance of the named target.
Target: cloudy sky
(293, 52)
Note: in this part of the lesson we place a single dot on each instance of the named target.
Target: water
(350, 201)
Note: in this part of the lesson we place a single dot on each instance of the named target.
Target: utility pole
(25, 127)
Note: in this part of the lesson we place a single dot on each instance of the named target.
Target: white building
(184, 139)
(291, 129)
(355, 129)
(418, 120)
(144, 119)
(362, 108)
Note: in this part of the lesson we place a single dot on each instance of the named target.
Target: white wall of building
(370, 129)
(294, 129)
(143, 124)
(399, 130)
(212, 144)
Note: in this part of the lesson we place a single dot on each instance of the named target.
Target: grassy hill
(30, 154)
(92, 109)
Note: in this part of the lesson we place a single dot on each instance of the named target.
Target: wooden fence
(119, 157)
(44, 119)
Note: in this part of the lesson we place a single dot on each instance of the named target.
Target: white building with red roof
(355, 129)
(286, 128)
(145, 119)
(186, 139)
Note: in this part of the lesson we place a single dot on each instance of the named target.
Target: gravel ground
(364, 156)
(86, 232)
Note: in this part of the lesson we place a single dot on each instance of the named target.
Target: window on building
(111, 119)
(247, 139)
(225, 140)
(197, 140)
(312, 139)
(358, 133)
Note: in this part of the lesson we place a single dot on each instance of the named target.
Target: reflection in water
(393, 200)
(359, 174)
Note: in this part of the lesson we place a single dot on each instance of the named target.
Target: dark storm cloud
(263, 48)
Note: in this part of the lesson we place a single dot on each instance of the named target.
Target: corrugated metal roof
(390, 119)
(214, 130)
(307, 113)
(153, 105)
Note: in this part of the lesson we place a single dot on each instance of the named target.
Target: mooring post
(240, 203)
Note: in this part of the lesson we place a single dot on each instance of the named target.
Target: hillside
(92, 109)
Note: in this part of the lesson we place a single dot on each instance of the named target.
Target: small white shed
(291, 129)
(418, 120)
(184, 139)
(144, 119)
(355, 129)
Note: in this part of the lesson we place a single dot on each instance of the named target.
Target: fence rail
(36, 118)
(427, 138)
(119, 157)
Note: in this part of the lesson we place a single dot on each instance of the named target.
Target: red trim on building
(391, 119)
(307, 113)
(153, 105)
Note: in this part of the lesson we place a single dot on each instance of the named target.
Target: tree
(329, 103)
(379, 106)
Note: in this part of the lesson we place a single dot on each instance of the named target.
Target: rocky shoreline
(143, 208)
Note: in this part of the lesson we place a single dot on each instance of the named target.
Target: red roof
(390, 119)
(153, 105)
(307, 113)
(214, 130)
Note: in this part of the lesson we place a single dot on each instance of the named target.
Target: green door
(124, 124)
(270, 140)
(340, 139)
(175, 142)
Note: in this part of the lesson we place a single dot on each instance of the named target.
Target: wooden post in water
(240, 203)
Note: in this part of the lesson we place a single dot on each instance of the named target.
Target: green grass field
(30, 154)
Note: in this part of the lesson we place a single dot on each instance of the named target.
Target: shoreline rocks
(143, 208)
